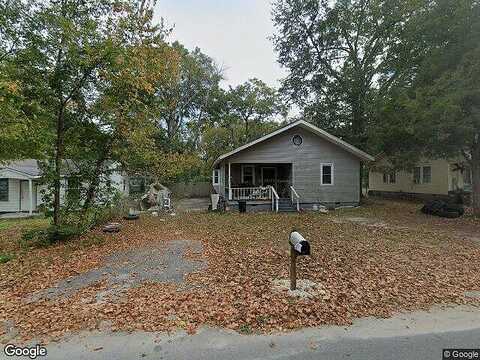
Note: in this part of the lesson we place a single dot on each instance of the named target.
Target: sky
(233, 32)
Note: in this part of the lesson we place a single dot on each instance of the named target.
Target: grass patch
(44, 237)
(4, 258)
(11, 231)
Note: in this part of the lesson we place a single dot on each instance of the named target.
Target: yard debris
(443, 209)
(131, 217)
(112, 227)
(156, 197)
(364, 271)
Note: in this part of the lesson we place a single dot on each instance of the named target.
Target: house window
(417, 174)
(390, 178)
(326, 174)
(422, 175)
(385, 178)
(427, 175)
(216, 177)
(137, 185)
(393, 177)
(3, 189)
(248, 174)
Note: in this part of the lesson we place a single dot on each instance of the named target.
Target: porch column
(30, 191)
(229, 181)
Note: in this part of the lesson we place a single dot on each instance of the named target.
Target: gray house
(298, 166)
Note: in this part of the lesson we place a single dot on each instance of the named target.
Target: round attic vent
(297, 140)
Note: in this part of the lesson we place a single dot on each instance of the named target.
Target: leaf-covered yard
(373, 261)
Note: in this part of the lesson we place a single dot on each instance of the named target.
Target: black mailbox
(299, 244)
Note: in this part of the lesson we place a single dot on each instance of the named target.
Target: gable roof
(307, 126)
(30, 168)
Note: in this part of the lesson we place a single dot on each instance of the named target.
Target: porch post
(229, 181)
(30, 191)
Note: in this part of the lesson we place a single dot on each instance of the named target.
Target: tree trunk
(475, 166)
(92, 189)
(358, 138)
(59, 150)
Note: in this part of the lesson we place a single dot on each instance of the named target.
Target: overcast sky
(233, 32)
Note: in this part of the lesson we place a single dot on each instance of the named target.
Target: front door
(25, 196)
(269, 176)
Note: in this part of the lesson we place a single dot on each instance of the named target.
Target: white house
(20, 188)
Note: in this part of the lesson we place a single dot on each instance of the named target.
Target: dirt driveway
(180, 272)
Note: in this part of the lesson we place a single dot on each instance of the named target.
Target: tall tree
(437, 114)
(24, 129)
(92, 67)
(186, 97)
(340, 55)
(253, 103)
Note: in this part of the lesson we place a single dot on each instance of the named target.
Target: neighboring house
(20, 185)
(296, 166)
(429, 179)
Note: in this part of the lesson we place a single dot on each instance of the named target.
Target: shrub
(73, 224)
(51, 235)
(4, 258)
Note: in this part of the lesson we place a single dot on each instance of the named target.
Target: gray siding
(306, 160)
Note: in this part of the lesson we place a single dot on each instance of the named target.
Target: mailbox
(299, 244)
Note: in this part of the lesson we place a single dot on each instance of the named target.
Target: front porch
(18, 193)
(252, 181)
(260, 184)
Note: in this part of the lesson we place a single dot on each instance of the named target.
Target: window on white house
(467, 176)
(389, 177)
(216, 177)
(393, 177)
(427, 175)
(137, 185)
(3, 189)
(326, 174)
(417, 175)
(248, 174)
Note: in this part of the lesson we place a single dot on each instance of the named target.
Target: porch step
(285, 205)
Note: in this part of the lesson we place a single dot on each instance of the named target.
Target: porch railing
(256, 193)
(275, 199)
(294, 197)
(251, 193)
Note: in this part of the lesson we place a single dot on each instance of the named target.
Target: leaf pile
(367, 271)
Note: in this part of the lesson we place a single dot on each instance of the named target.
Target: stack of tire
(443, 209)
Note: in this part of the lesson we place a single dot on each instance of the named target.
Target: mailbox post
(298, 247)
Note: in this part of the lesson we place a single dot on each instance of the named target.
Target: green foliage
(73, 225)
(49, 236)
(437, 113)
(4, 258)
(341, 56)
(253, 103)
(217, 140)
